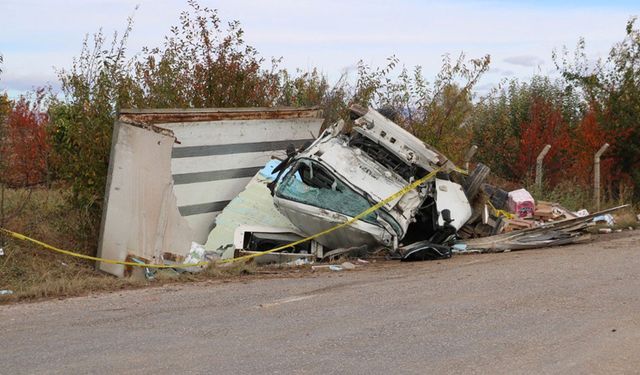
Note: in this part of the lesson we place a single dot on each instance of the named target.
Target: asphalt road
(568, 310)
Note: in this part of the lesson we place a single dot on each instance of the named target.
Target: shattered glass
(311, 184)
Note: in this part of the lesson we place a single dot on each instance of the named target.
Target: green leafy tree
(94, 88)
(203, 63)
(436, 112)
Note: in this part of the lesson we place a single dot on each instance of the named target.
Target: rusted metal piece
(164, 116)
(151, 127)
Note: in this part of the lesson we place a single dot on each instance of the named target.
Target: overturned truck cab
(342, 174)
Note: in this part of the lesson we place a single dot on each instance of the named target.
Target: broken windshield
(312, 184)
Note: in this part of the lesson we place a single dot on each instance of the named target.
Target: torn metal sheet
(548, 234)
(215, 160)
(141, 216)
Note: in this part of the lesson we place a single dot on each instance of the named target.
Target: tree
(546, 126)
(25, 145)
(509, 127)
(203, 64)
(611, 87)
(436, 112)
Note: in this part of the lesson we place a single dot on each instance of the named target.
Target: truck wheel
(475, 180)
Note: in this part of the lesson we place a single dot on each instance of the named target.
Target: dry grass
(33, 272)
(626, 218)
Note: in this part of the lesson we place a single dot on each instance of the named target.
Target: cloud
(524, 60)
(501, 72)
(330, 35)
(22, 83)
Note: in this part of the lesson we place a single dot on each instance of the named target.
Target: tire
(474, 181)
(497, 196)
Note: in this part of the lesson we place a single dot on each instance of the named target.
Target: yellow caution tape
(89, 257)
(368, 211)
(498, 212)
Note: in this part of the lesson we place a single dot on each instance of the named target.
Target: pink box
(521, 203)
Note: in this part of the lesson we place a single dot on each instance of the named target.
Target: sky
(37, 38)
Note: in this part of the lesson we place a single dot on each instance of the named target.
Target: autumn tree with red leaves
(612, 88)
(25, 144)
(546, 126)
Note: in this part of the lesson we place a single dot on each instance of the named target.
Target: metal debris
(547, 234)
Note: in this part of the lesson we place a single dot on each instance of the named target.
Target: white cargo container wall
(216, 153)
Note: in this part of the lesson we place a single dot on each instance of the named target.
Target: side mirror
(446, 216)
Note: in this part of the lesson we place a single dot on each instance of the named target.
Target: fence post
(541, 156)
(596, 174)
(469, 155)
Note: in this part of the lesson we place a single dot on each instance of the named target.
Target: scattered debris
(517, 224)
(198, 254)
(521, 203)
(256, 239)
(321, 266)
(548, 211)
(348, 266)
(299, 262)
(606, 218)
(148, 273)
(424, 250)
(546, 234)
(582, 212)
(1, 251)
(352, 252)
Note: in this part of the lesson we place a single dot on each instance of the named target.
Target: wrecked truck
(341, 174)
